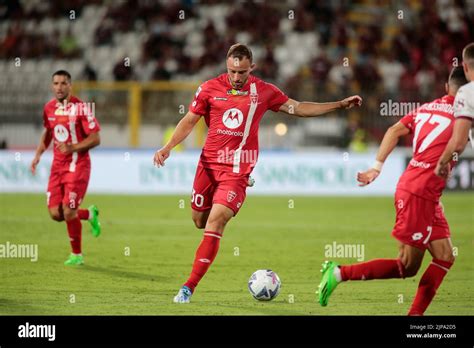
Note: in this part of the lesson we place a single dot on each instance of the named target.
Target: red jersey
(233, 117)
(431, 126)
(69, 123)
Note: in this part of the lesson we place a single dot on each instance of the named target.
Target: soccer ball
(264, 285)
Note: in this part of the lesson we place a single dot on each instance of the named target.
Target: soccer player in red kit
(420, 222)
(72, 126)
(232, 105)
(464, 113)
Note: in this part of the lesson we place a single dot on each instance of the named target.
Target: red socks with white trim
(205, 255)
(373, 269)
(83, 214)
(393, 268)
(429, 283)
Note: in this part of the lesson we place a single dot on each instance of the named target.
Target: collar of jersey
(449, 99)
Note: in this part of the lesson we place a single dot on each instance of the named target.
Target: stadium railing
(142, 103)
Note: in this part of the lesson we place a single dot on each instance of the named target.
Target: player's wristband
(377, 166)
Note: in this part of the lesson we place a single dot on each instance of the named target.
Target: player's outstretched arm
(184, 127)
(310, 109)
(91, 141)
(44, 143)
(389, 142)
(456, 145)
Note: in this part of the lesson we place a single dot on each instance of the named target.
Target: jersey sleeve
(409, 120)
(464, 102)
(200, 103)
(277, 98)
(88, 121)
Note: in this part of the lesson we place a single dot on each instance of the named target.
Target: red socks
(83, 214)
(205, 255)
(429, 283)
(393, 268)
(373, 269)
(74, 229)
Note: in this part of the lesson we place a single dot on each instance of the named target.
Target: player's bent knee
(200, 222)
(410, 266)
(69, 214)
(410, 272)
(56, 215)
(218, 222)
(448, 257)
(200, 218)
(411, 269)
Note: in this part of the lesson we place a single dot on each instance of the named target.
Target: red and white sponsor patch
(231, 196)
(254, 98)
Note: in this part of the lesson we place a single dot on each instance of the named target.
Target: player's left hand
(352, 101)
(443, 170)
(365, 178)
(34, 163)
(160, 157)
(65, 148)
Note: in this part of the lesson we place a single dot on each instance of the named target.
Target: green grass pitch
(161, 240)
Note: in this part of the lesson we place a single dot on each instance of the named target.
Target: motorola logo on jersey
(232, 118)
(61, 133)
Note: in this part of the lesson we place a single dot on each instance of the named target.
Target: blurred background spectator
(313, 50)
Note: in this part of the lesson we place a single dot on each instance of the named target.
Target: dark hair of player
(468, 55)
(63, 73)
(457, 77)
(240, 51)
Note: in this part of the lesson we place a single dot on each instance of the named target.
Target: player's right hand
(34, 163)
(160, 156)
(365, 178)
(443, 171)
(352, 101)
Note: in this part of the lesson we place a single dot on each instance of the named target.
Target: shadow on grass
(13, 307)
(125, 274)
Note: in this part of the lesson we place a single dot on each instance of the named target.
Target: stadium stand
(313, 50)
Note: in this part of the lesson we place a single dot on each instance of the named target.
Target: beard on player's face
(61, 94)
(61, 97)
(61, 87)
(238, 71)
(239, 82)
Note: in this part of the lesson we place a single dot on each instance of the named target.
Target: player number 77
(365, 178)
(420, 120)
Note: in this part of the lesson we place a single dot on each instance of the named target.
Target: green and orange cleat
(94, 220)
(328, 282)
(74, 260)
